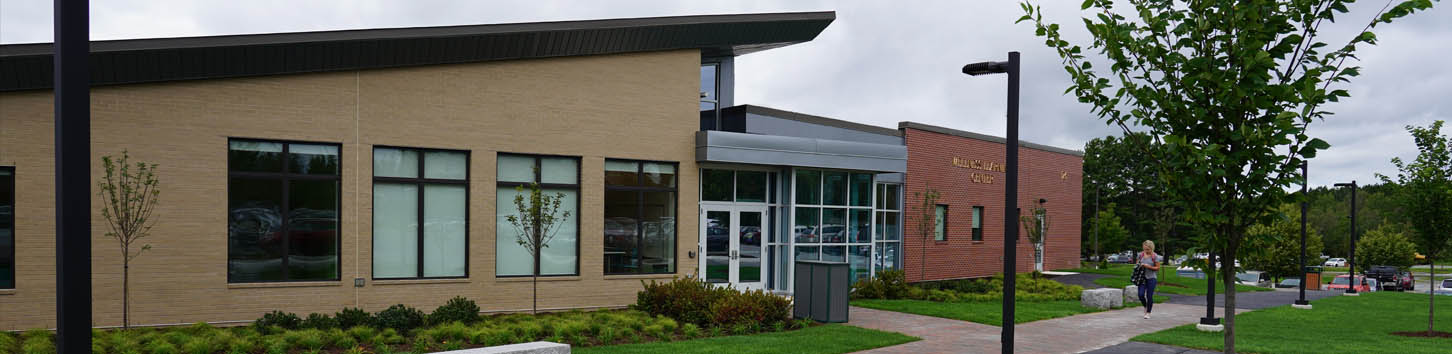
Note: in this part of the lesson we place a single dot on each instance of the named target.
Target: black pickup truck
(1389, 277)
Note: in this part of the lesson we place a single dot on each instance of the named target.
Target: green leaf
(1086, 4)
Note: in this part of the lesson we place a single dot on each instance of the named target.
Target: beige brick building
(586, 91)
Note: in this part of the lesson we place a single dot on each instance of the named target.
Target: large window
(640, 217)
(283, 200)
(710, 102)
(413, 185)
(888, 231)
(7, 227)
(556, 176)
(833, 218)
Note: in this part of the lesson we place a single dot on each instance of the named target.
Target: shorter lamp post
(1351, 264)
(1305, 203)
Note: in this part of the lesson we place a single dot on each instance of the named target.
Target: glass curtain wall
(888, 230)
(748, 187)
(832, 218)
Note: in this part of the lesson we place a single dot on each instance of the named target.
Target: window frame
(940, 221)
(978, 221)
(538, 171)
(285, 177)
(639, 190)
(14, 283)
(420, 182)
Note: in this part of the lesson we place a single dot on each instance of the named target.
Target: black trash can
(820, 291)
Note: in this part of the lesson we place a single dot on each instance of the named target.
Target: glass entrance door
(732, 238)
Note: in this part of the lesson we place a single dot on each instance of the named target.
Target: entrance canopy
(745, 148)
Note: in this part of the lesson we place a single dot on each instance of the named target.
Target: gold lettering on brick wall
(980, 178)
(978, 164)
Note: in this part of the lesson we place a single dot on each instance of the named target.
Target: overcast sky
(879, 63)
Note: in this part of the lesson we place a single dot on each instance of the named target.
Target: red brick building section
(966, 169)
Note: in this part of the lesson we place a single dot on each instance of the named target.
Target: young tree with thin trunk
(129, 193)
(1425, 193)
(1035, 224)
(536, 223)
(1227, 88)
(927, 224)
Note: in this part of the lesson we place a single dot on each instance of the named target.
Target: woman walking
(1150, 262)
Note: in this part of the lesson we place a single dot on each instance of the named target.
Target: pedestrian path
(1071, 334)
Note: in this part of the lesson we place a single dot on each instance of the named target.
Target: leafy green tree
(1112, 236)
(129, 193)
(1384, 247)
(1279, 250)
(1425, 195)
(1117, 172)
(1228, 87)
(538, 220)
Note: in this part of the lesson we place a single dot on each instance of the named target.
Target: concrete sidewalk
(1071, 334)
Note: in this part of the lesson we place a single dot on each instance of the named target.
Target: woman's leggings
(1147, 294)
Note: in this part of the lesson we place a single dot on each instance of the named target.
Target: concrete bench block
(521, 348)
(1102, 298)
(1131, 294)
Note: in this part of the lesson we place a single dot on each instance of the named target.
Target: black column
(1305, 203)
(72, 177)
(1010, 205)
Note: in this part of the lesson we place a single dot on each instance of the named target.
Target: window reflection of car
(806, 234)
(718, 236)
(834, 233)
(619, 232)
(751, 235)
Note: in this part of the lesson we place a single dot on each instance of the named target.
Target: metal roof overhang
(29, 66)
(730, 147)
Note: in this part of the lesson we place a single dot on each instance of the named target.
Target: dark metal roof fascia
(985, 137)
(818, 120)
(28, 66)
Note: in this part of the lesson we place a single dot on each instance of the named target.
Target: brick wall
(1042, 174)
(634, 106)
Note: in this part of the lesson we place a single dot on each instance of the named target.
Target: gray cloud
(879, 63)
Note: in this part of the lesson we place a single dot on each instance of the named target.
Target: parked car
(1341, 283)
(1187, 272)
(1335, 262)
(1254, 278)
(1389, 277)
(1446, 285)
(1290, 283)
(1408, 281)
(1118, 258)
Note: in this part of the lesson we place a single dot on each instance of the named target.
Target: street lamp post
(1351, 264)
(1305, 203)
(1010, 187)
(72, 176)
(1209, 319)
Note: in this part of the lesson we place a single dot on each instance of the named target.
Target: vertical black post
(72, 176)
(1209, 318)
(1351, 278)
(1010, 205)
(1305, 203)
(1097, 252)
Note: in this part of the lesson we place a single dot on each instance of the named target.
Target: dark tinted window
(7, 227)
(640, 217)
(282, 218)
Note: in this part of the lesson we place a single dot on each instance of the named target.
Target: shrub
(690, 330)
(424, 343)
(684, 299)
(8, 343)
(37, 341)
(355, 350)
(750, 307)
(458, 309)
(454, 331)
(311, 339)
(361, 332)
(400, 318)
(198, 345)
(492, 337)
(572, 328)
(161, 347)
(275, 346)
(888, 284)
(240, 346)
(353, 317)
(286, 320)
(657, 331)
(318, 321)
(608, 335)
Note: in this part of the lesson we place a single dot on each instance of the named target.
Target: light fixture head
(985, 68)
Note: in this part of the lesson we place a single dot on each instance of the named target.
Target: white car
(1335, 262)
(1446, 285)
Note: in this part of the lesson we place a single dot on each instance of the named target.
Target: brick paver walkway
(1071, 334)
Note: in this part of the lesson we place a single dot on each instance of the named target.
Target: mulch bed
(1424, 334)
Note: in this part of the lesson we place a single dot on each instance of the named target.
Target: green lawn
(832, 338)
(1169, 283)
(1342, 324)
(989, 313)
